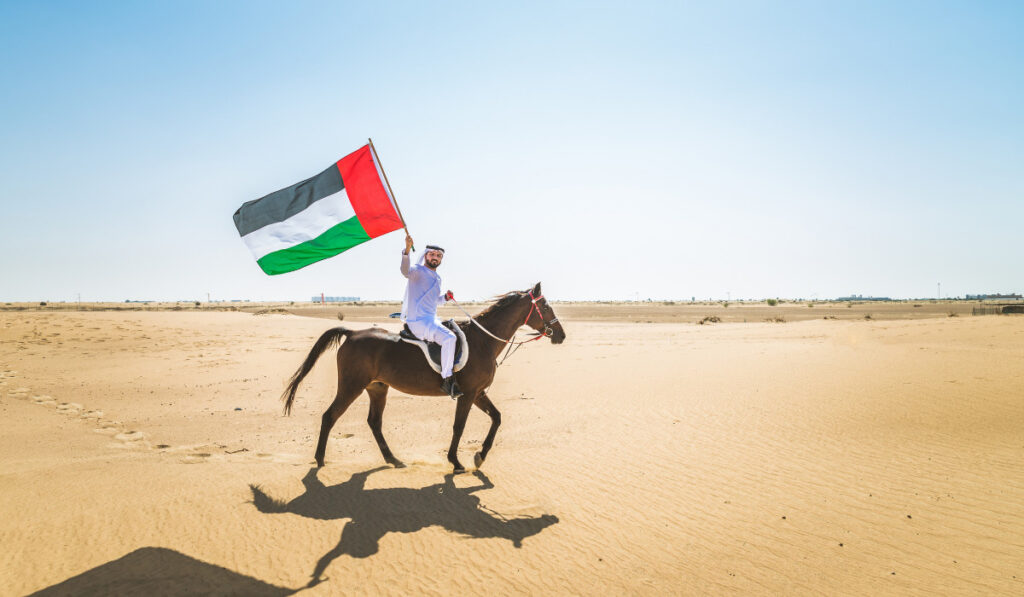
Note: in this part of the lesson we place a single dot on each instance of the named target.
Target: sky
(612, 151)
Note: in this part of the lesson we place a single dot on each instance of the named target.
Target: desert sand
(145, 453)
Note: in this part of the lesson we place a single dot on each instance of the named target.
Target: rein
(511, 341)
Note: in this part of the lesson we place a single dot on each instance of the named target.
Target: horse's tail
(329, 339)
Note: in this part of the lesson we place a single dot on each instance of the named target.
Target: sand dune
(145, 452)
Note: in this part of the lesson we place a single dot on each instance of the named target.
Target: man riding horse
(419, 309)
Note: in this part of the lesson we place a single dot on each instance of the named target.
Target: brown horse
(376, 360)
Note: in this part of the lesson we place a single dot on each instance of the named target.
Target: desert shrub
(810, 305)
(776, 319)
(953, 314)
(916, 306)
(830, 317)
(772, 302)
(42, 304)
(725, 304)
(849, 305)
(709, 319)
(341, 316)
(867, 316)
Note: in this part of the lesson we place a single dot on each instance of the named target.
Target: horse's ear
(536, 289)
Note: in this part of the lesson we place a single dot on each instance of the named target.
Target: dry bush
(776, 319)
(709, 319)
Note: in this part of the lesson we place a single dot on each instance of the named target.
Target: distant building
(858, 297)
(982, 297)
(336, 299)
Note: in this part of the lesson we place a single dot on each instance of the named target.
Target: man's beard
(432, 264)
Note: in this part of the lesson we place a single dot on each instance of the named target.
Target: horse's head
(542, 317)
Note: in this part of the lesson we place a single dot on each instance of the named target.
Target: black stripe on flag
(281, 205)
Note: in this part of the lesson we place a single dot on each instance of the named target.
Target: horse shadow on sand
(373, 513)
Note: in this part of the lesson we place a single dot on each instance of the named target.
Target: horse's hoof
(459, 469)
(397, 464)
(478, 459)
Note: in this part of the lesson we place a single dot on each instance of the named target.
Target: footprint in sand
(134, 440)
(197, 458)
(130, 436)
(126, 439)
(131, 440)
(282, 458)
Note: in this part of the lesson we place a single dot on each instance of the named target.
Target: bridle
(511, 341)
(548, 330)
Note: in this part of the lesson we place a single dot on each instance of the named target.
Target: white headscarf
(423, 255)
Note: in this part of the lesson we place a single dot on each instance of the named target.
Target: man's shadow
(374, 513)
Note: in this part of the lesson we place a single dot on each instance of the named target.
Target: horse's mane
(504, 300)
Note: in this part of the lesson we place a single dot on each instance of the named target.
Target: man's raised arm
(405, 255)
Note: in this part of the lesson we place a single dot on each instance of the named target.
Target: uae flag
(343, 206)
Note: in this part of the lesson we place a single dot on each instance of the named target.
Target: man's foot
(448, 386)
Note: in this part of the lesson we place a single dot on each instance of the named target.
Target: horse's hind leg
(487, 406)
(347, 393)
(378, 400)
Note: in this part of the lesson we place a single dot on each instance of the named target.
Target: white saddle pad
(434, 360)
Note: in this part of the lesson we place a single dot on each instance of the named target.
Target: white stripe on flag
(308, 224)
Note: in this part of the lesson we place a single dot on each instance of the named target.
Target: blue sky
(662, 150)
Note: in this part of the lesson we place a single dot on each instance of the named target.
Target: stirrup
(451, 387)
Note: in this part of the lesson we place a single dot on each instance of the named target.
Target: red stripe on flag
(366, 191)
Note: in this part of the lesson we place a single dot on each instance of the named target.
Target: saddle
(432, 350)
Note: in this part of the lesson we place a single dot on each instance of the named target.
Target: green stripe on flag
(341, 237)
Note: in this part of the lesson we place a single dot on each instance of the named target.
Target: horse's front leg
(487, 406)
(461, 414)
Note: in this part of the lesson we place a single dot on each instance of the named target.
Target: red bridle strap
(535, 300)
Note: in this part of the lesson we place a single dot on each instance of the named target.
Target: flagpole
(392, 193)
